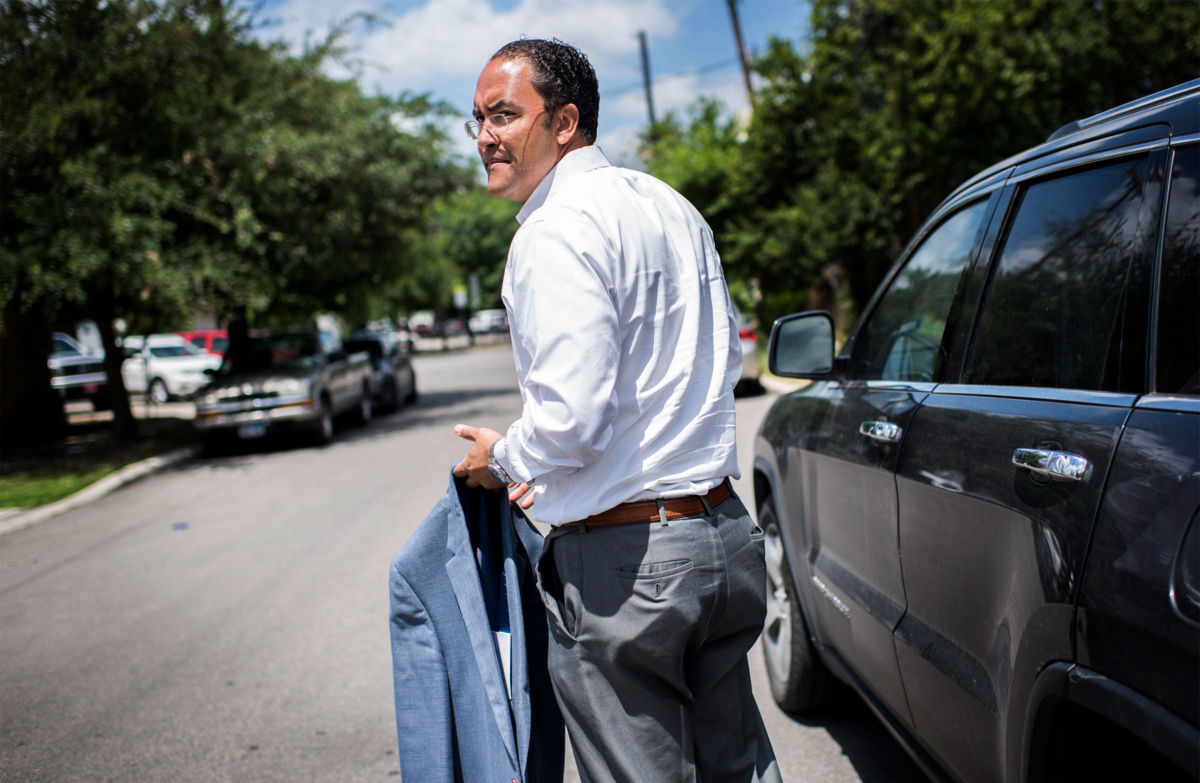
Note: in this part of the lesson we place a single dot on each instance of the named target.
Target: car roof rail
(1141, 104)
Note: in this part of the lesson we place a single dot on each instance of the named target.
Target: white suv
(165, 366)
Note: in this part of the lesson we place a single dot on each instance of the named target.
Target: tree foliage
(859, 132)
(158, 159)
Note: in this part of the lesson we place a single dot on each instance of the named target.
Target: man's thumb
(465, 432)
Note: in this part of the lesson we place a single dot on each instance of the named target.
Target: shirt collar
(574, 162)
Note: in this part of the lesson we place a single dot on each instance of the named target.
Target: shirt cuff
(496, 463)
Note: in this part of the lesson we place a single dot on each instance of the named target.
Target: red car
(213, 341)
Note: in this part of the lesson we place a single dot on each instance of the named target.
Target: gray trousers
(650, 624)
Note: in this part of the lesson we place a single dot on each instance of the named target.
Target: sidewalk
(81, 414)
(13, 519)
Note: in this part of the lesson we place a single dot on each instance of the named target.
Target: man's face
(519, 156)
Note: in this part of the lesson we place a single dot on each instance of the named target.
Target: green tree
(859, 132)
(157, 157)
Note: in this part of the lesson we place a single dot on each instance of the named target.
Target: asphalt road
(226, 620)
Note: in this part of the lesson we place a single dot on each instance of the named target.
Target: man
(627, 354)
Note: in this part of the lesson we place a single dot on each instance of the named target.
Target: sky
(440, 46)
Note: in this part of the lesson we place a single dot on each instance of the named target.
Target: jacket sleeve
(424, 720)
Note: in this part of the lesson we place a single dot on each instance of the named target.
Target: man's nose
(486, 138)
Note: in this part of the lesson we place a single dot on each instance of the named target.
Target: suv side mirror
(801, 345)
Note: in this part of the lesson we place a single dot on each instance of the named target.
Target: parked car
(213, 341)
(285, 382)
(164, 366)
(749, 382)
(393, 380)
(488, 321)
(76, 373)
(982, 514)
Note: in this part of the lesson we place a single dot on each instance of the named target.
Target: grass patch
(88, 454)
(28, 489)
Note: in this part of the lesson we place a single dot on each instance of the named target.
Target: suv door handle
(1058, 465)
(881, 431)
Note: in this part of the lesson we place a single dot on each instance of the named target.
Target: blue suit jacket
(465, 572)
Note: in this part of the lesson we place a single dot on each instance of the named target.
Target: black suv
(981, 514)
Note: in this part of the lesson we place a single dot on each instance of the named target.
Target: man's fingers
(459, 469)
(522, 494)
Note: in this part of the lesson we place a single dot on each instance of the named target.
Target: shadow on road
(877, 757)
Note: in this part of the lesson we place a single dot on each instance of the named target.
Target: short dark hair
(561, 74)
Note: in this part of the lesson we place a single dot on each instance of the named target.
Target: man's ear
(566, 123)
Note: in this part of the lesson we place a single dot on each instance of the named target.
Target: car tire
(323, 434)
(799, 680)
(365, 410)
(411, 397)
(391, 396)
(158, 391)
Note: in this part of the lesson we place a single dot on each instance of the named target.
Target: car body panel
(986, 546)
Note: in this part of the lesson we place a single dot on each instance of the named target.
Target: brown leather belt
(647, 510)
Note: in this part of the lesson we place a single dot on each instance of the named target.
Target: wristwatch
(496, 468)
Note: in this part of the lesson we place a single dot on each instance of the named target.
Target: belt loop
(662, 512)
(707, 507)
(583, 526)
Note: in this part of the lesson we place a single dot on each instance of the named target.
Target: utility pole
(741, 47)
(646, 79)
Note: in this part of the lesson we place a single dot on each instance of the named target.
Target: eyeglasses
(495, 124)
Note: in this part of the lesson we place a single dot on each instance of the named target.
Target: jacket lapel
(521, 711)
(464, 578)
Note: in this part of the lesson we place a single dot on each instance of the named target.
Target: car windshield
(373, 347)
(280, 351)
(166, 351)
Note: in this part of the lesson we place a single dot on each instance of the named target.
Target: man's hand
(475, 466)
(521, 494)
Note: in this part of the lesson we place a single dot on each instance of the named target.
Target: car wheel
(391, 396)
(158, 391)
(799, 681)
(364, 412)
(324, 431)
(411, 397)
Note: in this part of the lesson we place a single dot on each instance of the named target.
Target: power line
(685, 72)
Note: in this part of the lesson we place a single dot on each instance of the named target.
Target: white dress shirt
(624, 340)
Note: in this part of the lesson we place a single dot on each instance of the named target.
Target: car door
(847, 470)
(1002, 472)
(1139, 604)
(133, 369)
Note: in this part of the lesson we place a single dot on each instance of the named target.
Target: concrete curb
(127, 474)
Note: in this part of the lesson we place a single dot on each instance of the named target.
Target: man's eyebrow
(503, 103)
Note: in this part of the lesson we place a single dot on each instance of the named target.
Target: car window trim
(1006, 212)
(944, 212)
(1043, 393)
(1177, 403)
(1088, 160)
(1156, 271)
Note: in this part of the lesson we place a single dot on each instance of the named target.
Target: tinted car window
(903, 339)
(1178, 364)
(1052, 314)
